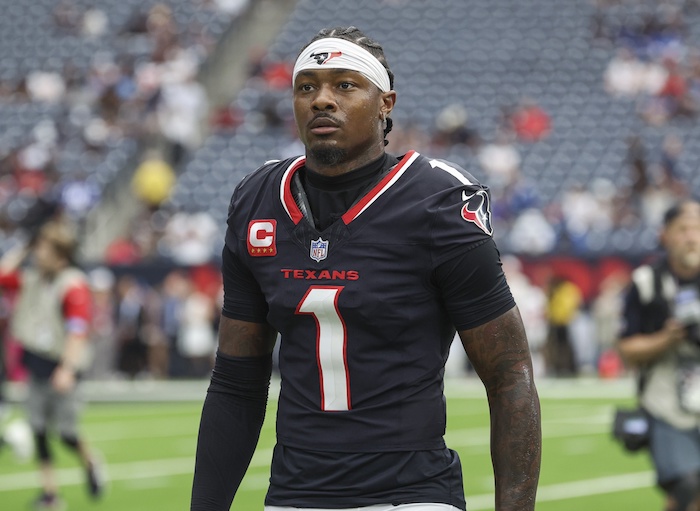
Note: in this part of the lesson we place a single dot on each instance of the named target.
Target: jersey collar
(295, 214)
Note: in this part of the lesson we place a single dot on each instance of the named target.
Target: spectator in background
(94, 23)
(79, 194)
(190, 238)
(45, 86)
(182, 107)
(52, 320)
(637, 160)
(530, 122)
(501, 162)
(123, 250)
(564, 301)
(174, 291)
(675, 90)
(231, 7)
(196, 336)
(102, 286)
(452, 128)
(606, 311)
(532, 303)
(669, 166)
(693, 67)
(654, 202)
(66, 16)
(130, 327)
(625, 74)
(582, 212)
(532, 233)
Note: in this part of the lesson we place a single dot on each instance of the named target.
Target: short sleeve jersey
(367, 308)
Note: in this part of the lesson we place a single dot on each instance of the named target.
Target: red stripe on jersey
(383, 185)
(286, 196)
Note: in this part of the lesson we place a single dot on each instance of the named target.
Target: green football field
(148, 450)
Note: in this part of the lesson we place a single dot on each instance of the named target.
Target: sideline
(469, 386)
(183, 466)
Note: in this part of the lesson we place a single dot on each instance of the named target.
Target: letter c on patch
(262, 238)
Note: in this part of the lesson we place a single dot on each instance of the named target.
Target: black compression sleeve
(232, 417)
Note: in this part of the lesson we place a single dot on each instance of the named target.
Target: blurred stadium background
(136, 119)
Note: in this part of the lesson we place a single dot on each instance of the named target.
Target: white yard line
(122, 471)
(115, 472)
(575, 489)
(254, 482)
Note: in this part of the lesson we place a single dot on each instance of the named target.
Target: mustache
(323, 115)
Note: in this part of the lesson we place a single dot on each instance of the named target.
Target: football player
(365, 263)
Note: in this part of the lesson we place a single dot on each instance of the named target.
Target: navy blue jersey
(366, 317)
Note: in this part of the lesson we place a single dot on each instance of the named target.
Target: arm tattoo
(244, 339)
(500, 354)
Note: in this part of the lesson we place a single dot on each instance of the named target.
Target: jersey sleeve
(467, 264)
(77, 309)
(243, 298)
(473, 285)
(462, 216)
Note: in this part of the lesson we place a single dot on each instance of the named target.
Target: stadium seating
(47, 36)
(483, 54)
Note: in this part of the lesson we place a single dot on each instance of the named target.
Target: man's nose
(324, 99)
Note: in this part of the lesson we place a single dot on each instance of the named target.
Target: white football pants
(381, 507)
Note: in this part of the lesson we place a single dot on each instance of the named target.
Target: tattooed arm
(233, 412)
(244, 339)
(500, 355)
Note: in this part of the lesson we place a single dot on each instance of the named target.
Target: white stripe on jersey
(451, 171)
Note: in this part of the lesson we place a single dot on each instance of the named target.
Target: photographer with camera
(661, 339)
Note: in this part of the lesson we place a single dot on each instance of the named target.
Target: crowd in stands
(75, 126)
(101, 116)
(93, 119)
(144, 327)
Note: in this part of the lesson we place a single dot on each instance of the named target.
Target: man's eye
(346, 85)
(305, 87)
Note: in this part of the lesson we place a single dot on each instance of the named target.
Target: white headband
(331, 52)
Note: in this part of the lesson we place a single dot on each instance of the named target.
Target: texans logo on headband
(336, 53)
(322, 58)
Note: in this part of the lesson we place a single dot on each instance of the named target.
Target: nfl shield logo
(319, 249)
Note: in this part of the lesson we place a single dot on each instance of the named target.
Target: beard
(691, 260)
(328, 156)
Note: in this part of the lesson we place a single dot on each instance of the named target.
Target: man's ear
(388, 102)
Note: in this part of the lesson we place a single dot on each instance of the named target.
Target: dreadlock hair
(355, 35)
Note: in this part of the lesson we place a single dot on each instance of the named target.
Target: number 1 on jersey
(321, 302)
